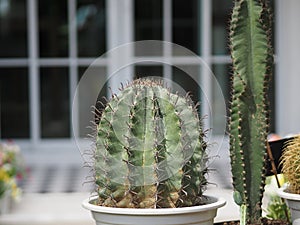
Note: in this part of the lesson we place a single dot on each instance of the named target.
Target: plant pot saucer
(286, 195)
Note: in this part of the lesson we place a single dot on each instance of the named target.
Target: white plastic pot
(293, 202)
(203, 214)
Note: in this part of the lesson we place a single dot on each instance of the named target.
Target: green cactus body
(252, 62)
(150, 151)
(290, 161)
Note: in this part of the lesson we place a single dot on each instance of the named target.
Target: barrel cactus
(252, 60)
(290, 161)
(149, 149)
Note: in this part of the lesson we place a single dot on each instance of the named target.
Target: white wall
(288, 67)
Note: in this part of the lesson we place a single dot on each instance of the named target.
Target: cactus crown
(150, 149)
(252, 60)
(290, 161)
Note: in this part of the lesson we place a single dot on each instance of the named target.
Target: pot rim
(286, 195)
(213, 203)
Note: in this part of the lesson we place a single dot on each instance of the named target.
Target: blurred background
(46, 46)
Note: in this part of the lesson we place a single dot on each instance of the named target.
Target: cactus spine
(290, 161)
(150, 149)
(252, 60)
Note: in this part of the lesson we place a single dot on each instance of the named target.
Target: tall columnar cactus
(150, 149)
(290, 161)
(252, 60)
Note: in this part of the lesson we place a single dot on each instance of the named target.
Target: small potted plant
(252, 60)
(290, 161)
(150, 160)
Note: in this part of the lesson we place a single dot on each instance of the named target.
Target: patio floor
(53, 193)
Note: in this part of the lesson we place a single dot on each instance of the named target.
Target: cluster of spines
(290, 161)
(252, 64)
(150, 149)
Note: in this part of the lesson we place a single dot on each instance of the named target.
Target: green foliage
(276, 207)
(252, 62)
(150, 149)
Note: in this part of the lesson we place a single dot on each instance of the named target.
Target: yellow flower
(4, 176)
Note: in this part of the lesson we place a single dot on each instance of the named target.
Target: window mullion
(73, 72)
(205, 75)
(119, 31)
(34, 93)
(167, 36)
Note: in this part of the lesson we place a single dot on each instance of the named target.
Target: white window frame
(117, 35)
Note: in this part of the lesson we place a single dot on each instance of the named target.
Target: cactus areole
(150, 149)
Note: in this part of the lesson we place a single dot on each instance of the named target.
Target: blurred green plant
(276, 208)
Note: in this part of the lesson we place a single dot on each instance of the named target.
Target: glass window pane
(188, 80)
(221, 15)
(13, 28)
(148, 19)
(222, 73)
(148, 71)
(272, 102)
(53, 28)
(96, 83)
(186, 24)
(148, 24)
(55, 103)
(14, 103)
(91, 29)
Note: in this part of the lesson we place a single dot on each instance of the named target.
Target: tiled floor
(49, 209)
(54, 178)
(52, 195)
(57, 178)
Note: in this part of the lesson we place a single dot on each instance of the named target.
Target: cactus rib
(150, 149)
(252, 63)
